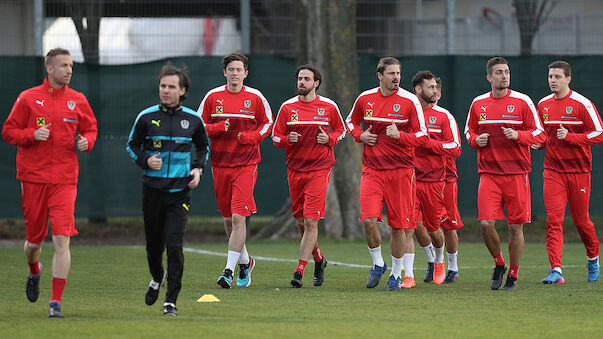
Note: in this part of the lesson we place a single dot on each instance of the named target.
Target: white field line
(337, 263)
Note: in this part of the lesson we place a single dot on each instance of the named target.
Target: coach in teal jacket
(160, 143)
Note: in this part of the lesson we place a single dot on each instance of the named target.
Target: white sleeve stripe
(593, 134)
(450, 145)
(276, 139)
(536, 132)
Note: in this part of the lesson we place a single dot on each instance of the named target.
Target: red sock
(34, 269)
(58, 285)
(317, 254)
(301, 266)
(513, 271)
(498, 259)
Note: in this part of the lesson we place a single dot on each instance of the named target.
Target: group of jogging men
(410, 146)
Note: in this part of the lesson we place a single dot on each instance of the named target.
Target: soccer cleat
(438, 274)
(54, 310)
(170, 309)
(225, 280)
(511, 284)
(554, 278)
(296, 281)
(593, 270)
(375, 275)
(451, 277)
(153, 291)
(497, 276)
(32, 289)
(319, 272)
(393, 284)
(428, 277)
(244, 278)
(409, 282)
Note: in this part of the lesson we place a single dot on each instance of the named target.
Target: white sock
(439, 254)
(231, 262)
(377, 257)
(429, 253)
(452, 261)
(558, 269)
(396, 267)
(408, 261)
(244, 258)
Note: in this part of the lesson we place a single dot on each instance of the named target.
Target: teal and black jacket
(170, 131)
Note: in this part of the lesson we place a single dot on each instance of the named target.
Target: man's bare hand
(368, 138)
(42, 133)
(155, 161)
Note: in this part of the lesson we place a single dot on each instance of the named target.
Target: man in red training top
(47, 124)
(430, 169)
(237, 118)
(572, 124)
(394, 125)
(502, 125)
(303, 127)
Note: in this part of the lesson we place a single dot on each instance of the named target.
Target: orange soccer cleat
(409, 282)
(439, 273)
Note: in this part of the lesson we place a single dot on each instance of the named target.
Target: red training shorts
(234, 189)
(48, 202)
(453, 220)
(497, 191)
(429, 206)
(308, 192)
(395, 188)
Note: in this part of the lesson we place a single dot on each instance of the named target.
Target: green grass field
(105, 291)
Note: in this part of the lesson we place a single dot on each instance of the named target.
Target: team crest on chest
(321, 111)
(546, 117)
(184, 124)
(368, 113)
(569, 109)
(510, 108)
(71, 105)
(482, 116)
(247, 103)
(294, 116)
(432, 120)
(396, 107)
(40, 122)
(157, 143)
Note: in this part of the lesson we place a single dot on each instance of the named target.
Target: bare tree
(531, 14)
(326, 38)
(86, 15)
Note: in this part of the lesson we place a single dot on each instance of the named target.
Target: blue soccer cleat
(225, 280)
(54, 310)
(554, 278)
(393, 284)
(244, 278)
(375, 275)
(593, 270)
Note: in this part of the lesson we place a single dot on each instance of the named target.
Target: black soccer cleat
(497, 276)
(33, 288)
(428, 277)
(319, 271)
(451, 277)
(170, 309)
(153, 291)
(297, 279)
(54, 310)
(225, 280)
(511, 284)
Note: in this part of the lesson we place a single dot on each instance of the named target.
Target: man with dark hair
(430, 172)
(160, 143)
(303, 127)
(43, 124)
(394, 125)
(572, 124)
(237, 119)
(502, 125)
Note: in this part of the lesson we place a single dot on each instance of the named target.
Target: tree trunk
(531, 14)
(326, 38)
